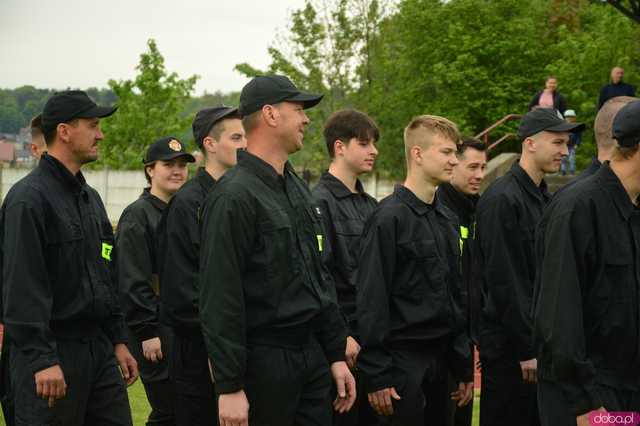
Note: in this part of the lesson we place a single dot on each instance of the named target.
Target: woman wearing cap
(574, 141)
(165, 168)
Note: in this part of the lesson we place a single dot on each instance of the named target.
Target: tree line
(473, 61)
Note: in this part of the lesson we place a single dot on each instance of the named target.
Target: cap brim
(190, 158)
(566, 127)
(98, 112)
(308, 100)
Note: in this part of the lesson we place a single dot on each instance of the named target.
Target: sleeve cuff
(228, 387)
(147, 332)
(382, 381)
(44, 361)
(336, 354)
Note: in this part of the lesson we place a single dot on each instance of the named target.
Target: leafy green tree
(149, 107)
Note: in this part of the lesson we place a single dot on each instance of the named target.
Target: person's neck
(421, 186)
(66, 159)
(629, 175)
(344, 175)
(214, 168)
(531, 169)
(158, 193)
(604, 155)
(268, 150)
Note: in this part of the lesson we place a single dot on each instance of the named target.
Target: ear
(209, 145)
(529, 144)
(64, 132)
(339, 147)
(416, 154)
(270, 115)
(150, 170)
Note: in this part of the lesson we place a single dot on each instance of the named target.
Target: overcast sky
(83, 43)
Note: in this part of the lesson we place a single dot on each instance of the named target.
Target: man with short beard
(507, 216)
(408, 288)
(586, 317)
(269, 314)
(150, 342)
(350, 137)
(65, 331)
(219, 134)
(461, 197)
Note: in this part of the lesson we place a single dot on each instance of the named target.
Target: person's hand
(50, 384)
(380, 401)
(152, 349)
(345, 385)
(126, 362)
(464, 394)
(529, 370)
(583, 420)
(233, 409)
(353, 349)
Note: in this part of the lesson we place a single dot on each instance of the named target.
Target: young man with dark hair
(408, 300)
(350, 137)
(218, 132)
(507, 215)
(586, 315)
(66, 335)
(269, 314)
(461, 196)
(165, 166)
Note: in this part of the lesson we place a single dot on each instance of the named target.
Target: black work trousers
(288, 386)
(419, 376)
(6, 398)
(555, 411)
(506, 399)
(455, 416)
(96, 392)
(195, 401)
(361, 414)
(155, 378)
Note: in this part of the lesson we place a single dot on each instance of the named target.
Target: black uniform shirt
(344, 215)
(408, 285)
(179, 249)
(507, 215)
(588, 309)
(464, 206)
(261, 276)
(137, 264)
(57, 275)
(612, 90)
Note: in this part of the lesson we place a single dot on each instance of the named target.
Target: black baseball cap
(166, 149)
(272, 89)
(206, 118)
(626, 125)
(545, 119)
(65, 106)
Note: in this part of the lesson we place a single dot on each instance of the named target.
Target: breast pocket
(275, 234)
(348, 233)
(424, 272)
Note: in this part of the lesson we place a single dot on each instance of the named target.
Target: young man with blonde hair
(507, 216)
(408, 302)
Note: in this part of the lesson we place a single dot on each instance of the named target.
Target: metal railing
(484, 135)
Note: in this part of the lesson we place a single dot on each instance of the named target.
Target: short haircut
(470, 143)
(218, 128)
(250, 122)
(624, 152)
(422, 128)
(604, 121)
(36, 126)
(347, 124)
(50, 135)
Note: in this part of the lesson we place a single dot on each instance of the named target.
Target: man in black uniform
(408, 301)
(587, 314)
(165, 168)
(65, 331)
(507, 215)
(461, 197)
(267, 303)
(219, 134)
(350, 137)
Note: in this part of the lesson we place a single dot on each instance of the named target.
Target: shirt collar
(263, 170)
(610, 182)
(54, 166)
(462, 202)
(539, 192)
(152, 199)
(416, 204)
(338, 188)
(204, 179)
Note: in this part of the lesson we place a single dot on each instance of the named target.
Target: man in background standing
(616, 87)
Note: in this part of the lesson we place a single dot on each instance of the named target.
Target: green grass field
(140, 406)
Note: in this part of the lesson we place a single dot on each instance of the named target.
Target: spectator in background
(574, 140)
(549, 97)
(38, 146)
(616, 88)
